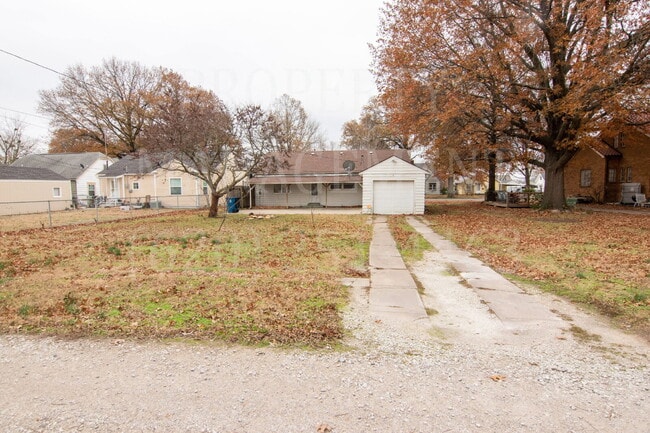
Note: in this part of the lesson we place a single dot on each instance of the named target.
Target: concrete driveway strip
(393, 292)
(514, 307)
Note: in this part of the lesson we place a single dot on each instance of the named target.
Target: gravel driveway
(459, 371)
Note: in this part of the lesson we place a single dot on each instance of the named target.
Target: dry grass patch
(597, 259)
(255, 281)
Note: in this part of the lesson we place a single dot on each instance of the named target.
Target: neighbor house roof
(129, 164)
(10, 172)
(68, 165)
(603, 149)
(329, 166)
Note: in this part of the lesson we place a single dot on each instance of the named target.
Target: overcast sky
(246, 51)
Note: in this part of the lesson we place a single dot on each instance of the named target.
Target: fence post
(49, 212)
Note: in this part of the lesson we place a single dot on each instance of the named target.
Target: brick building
(621, 155)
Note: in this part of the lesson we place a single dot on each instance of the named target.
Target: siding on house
(31, 190)
(301, 194)
(80, 169)
(393, 169)
(136, 179)
(310, 176)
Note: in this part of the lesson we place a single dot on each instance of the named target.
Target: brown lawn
(263, 281)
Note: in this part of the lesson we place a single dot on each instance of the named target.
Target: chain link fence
(53, 213)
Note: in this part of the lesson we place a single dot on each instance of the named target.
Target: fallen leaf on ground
(498, 378)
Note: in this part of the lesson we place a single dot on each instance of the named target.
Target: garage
(393, 187)
(393, 197)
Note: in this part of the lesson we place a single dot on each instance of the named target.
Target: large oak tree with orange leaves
(477, 76)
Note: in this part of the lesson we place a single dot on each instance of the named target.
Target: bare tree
(295, 131)
(193, 128)
(13, 142)
(373, 131)
(104, 104)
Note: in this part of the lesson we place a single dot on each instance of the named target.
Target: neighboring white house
(32, 190)
(338, 179)
(514, 181)
(432, 184)
(80, 169)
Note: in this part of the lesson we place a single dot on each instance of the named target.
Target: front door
(612, 184)
(314, 194)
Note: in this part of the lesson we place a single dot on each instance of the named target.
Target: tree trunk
(491, 193)
(450, 186)
(214, 205)
(554, 162)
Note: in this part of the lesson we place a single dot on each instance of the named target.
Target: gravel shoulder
(461, 370)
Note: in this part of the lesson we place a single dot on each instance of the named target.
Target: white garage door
(392, 197)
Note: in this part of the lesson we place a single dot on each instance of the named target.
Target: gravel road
(462, 370)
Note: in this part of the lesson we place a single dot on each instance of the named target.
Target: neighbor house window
(585, 178)
(618, 141)
(56, 191)
(91, 190)
(175, 186)
(135, 185)
(611, 175)
(206, 190)
(280, 189)
(629, 174)
(433, 186)
(314, 189)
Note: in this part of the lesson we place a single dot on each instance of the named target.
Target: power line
(26, 123)
(25, 113)
(34, 63)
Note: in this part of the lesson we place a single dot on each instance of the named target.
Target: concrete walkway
(393, 292)
(516, 309)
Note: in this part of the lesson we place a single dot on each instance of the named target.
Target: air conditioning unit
(627, 192)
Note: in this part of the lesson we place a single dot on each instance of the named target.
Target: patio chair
(640, 200)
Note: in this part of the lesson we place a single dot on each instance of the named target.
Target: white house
(80, 169)
(339, 178)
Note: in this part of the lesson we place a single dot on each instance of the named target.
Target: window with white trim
(135, 185)
(281, 189)
(585, 178)
(56, 192)
(611, 175)
(433, 186)
(175, 186)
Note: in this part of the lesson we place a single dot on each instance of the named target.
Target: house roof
(603, 149)
(10, 172)
(68, 165)
(129, 164)
(328, 166)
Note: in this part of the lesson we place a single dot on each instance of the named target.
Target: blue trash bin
(233, 204)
